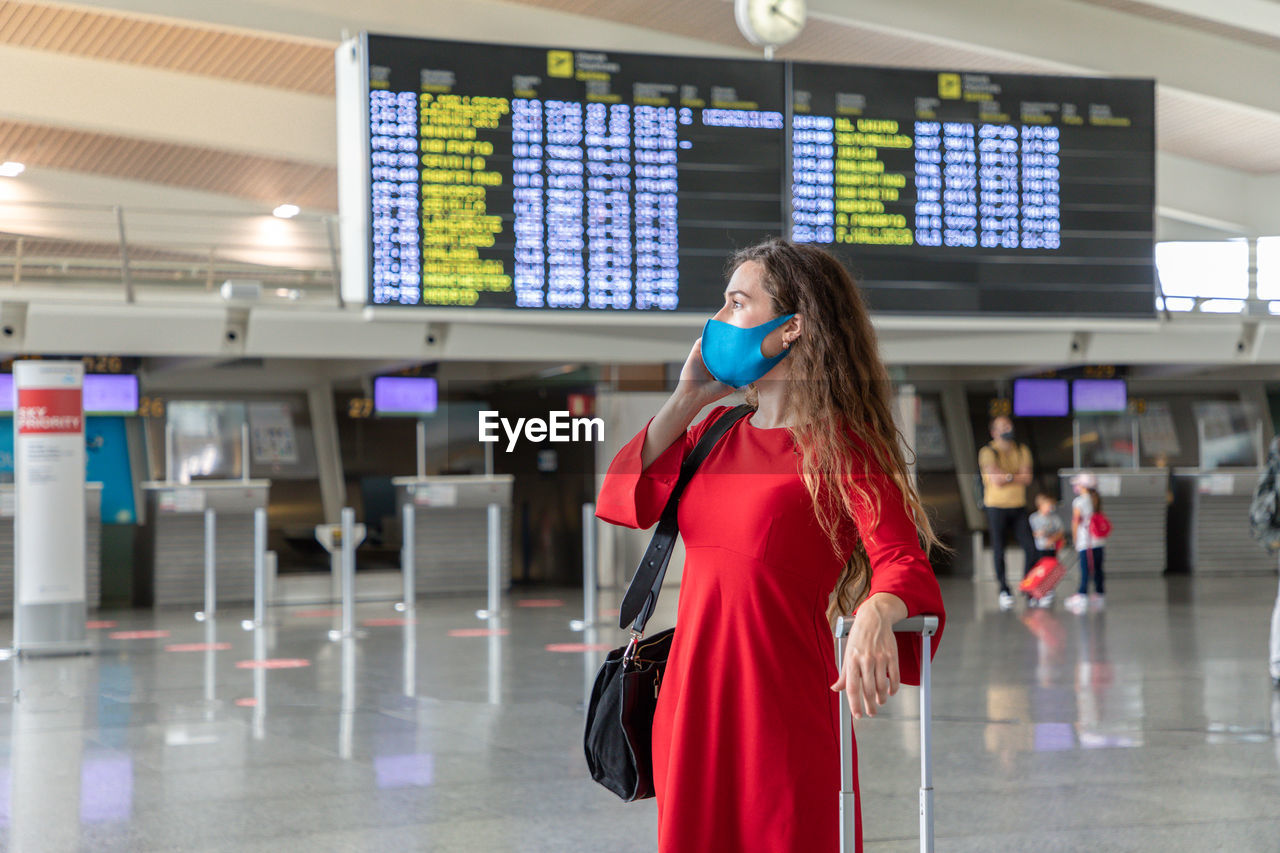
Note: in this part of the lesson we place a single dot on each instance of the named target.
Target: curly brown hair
(840, 389)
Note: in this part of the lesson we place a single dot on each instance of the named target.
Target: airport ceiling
(228, 104)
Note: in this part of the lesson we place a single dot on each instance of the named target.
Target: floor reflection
(52, 784)
(436, 733)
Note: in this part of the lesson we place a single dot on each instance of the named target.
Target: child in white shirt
(1087, 502)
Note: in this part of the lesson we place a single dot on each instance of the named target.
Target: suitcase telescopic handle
(926, 626)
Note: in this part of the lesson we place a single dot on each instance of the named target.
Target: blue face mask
(732, 354)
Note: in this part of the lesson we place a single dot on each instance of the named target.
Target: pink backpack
(1099, 525)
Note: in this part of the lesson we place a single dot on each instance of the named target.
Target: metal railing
(163, 252)
(159, 252)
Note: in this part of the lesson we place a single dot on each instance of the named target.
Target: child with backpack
(1089, 529)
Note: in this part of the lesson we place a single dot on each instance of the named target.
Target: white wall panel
(124, 329)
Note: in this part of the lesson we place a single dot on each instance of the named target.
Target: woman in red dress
(804, 510)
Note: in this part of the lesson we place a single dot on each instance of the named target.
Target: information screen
(979, 193)
(1040, 398)
(110, 394)
(544, 179)
(405, 395)
(532, 178)
(104, 394)
(1099, 395)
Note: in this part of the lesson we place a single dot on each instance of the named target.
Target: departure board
(978, 193)
(540, 178)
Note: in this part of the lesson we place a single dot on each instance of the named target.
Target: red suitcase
(1043, 577)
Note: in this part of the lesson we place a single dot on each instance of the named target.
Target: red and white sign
(50, 411)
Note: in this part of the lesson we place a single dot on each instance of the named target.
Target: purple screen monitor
(405, 395)
(6, 393)
(1040, 398)
(1099, 395)
(110, 394)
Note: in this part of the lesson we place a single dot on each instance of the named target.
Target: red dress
(746, 752)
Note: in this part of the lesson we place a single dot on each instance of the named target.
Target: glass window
(206, 439)
(1269, 268)
(1215, 270)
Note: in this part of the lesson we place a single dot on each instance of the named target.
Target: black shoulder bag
(619, 730)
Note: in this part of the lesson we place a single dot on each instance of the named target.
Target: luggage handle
(926, 627)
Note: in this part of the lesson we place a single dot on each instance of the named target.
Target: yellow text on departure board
(863, 185)
(456, 179)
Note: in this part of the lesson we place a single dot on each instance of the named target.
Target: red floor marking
(479, 632)
(273, 663)
(138, 635)
(317, 614)
(95, 626)
(388, 622)
(198, 647)
(614, 612)
(247, 702)
(540, 602)
(578, 647)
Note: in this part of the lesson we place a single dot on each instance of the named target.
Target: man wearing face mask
(1006, 472)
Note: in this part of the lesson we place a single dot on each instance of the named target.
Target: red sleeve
(899, 566)
(632, 497)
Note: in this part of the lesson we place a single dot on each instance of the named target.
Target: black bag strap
(642, 594)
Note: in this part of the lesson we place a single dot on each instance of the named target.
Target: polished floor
(1151, 726)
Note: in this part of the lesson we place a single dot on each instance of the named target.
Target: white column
(49, 534)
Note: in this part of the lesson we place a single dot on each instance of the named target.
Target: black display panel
(542, 180)
(979, 193)
(533, 178)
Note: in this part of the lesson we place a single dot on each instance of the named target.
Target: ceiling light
(11, 169)
(241, 289)
(287, 211)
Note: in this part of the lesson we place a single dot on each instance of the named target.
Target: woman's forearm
(669, 424)
(892, 608)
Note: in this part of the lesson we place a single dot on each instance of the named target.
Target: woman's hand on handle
(869, 672)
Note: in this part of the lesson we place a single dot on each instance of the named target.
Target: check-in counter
(1209, 523)
(1137, 502)
(174, 544)
(92, 545)
(450, 535)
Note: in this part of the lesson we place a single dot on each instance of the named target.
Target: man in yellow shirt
(1006, 473)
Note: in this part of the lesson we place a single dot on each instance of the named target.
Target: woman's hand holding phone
(697, 383)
